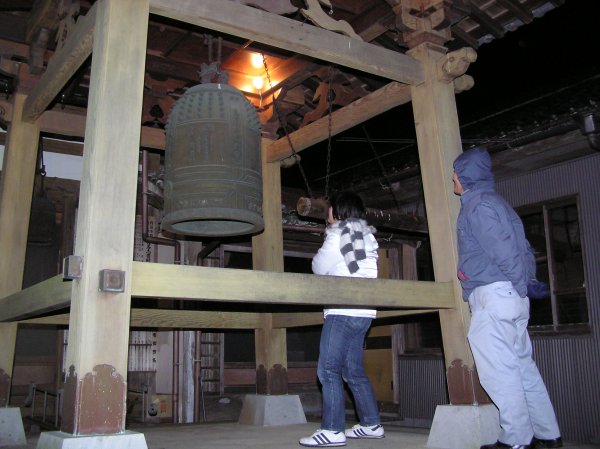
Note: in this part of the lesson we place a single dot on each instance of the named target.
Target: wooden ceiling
(178, 54)
(178, 51)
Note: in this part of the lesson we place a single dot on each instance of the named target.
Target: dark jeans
(341, 359)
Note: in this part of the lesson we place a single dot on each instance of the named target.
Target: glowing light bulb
(258, 82)
(256, 60)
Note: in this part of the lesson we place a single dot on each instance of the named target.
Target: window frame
(545, 208)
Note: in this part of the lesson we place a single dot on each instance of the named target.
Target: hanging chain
(329, 113)
(284, 125)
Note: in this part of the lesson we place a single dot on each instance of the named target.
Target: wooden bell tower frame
(114, 33)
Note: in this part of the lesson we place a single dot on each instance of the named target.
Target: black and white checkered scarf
(352, 244)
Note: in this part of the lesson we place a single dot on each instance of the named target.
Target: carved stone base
(11, 427)
(61, 440)
(272, 410)
(464, 426)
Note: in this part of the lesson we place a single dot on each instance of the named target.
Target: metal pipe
(33, 401)
(45, 405)
(208, 249)
(175, 401)
(146, 237)
(57, 406)
(198, 388)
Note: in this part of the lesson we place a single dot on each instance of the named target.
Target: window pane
(572, 308)
(540, 312)
(535, 233)
(566, 247)
(540, 309)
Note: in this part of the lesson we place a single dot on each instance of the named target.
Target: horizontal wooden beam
(194, 319)
(170, 319)
(200, 319)
(393, 94)
(186, 282)
(47, 296)
(282, 32)
(290, 320)
(72, 124)
(388, 97)
(151, 280)
(62, 66)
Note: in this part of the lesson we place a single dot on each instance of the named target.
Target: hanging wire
(284, 125)
(329, 113)
(381, 167)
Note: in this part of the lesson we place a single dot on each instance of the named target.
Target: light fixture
(258, 82)
(256, 59)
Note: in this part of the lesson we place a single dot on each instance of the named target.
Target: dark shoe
(500, 445)
(538, 443)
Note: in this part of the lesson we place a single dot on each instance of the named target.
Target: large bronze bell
(213, 181)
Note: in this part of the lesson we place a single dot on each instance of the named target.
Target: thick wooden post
(438, 137)
(267, 255)
(95, 388)
(16, 189)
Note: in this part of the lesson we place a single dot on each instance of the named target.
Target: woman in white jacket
(350, 249)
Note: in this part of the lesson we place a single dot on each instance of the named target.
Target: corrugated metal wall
(422, 385)
(570, 365)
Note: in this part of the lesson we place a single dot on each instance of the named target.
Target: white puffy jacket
(330, 261)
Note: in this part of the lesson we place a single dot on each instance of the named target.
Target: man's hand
(537, 289)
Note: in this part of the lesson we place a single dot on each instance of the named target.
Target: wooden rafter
(260, 26)
(70, 124)
(519, 11)
(62, 67)
(485, 21)
(384, 99)
(43, 15)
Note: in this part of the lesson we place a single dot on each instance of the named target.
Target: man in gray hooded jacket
(495, 264)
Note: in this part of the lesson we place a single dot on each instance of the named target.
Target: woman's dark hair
(347, 205)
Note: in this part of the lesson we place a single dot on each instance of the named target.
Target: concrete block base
(279, 410)
(61, 440)
(464, 426)
(11, 427)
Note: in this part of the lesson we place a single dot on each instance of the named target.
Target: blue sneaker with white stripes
(359, 431)
(324, 438)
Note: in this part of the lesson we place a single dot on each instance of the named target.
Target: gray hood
(474, 169)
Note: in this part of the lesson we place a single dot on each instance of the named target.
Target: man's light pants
(503, 357)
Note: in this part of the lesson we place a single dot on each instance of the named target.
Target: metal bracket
(72, 267)
(112, 281)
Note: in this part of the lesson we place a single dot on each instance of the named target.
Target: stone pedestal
(464, 426)
(11, 427)
(276, 410)
(61, 440)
